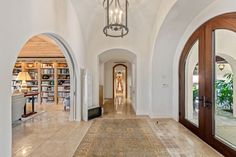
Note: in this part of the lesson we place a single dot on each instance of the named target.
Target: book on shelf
(62, 65)
(31, 65)
(47, 71)
(47, 83)
(33, 75)
(18, 65)
(43, 74)
(47, 65)
(63, 72)
(48, 89)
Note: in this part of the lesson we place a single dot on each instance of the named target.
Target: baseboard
(161, 116)
(108, 98)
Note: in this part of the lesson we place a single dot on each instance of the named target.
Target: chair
(66, 103)
(18, 103)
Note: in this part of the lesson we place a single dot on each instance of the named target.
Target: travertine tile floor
(50, 134)
(179, 141)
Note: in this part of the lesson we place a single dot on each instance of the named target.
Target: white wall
(170, 33)
(20, 20)
(101, 74)
(108, 79)
(108, 93)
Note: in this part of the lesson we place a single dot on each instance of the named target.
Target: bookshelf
(32, 67)
(63, 82)
(47, 83)
(15, 83)
(49, 77)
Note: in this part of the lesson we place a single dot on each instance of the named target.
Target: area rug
(121, 137)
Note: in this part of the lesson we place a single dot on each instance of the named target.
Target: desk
(32, 95)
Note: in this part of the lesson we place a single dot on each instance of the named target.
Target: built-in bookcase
(50, 78)
(15, 83)
(63, 81)
(32, 67)
(47, 82)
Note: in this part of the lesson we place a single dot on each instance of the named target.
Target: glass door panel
(192, 85)
(225, 87)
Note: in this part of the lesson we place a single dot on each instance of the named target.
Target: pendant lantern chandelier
(116, 18)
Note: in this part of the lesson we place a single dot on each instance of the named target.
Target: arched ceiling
(117, 55)
(141, 22)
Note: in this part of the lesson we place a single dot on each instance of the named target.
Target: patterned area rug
(121, 137)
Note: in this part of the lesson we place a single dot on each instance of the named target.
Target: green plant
(224, 92)
(195, 92)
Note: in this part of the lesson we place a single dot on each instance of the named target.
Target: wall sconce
(221, 66)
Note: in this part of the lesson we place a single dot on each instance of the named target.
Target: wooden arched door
(204, 90)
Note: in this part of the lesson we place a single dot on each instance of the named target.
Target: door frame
(206, 80)
(227, 21)
(197, 35)
(126, 79)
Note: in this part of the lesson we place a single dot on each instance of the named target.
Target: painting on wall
(120, 81)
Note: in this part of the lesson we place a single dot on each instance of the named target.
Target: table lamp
(23, 76)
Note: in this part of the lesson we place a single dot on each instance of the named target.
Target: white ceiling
(141, 19)
(117, 55)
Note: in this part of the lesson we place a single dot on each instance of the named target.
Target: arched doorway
(206, 87)
(56, 76)
(48, 62)
(117, 82)
(107, 60)
(120, 81)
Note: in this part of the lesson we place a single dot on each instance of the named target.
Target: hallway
(51, 134)
(118, 108)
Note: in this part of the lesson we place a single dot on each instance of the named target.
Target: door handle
(205, 102)
(201, 99)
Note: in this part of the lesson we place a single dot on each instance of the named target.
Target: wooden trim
(192, 40)
(101, 95)
(55, 65)
(34, 58)
(126, 77)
